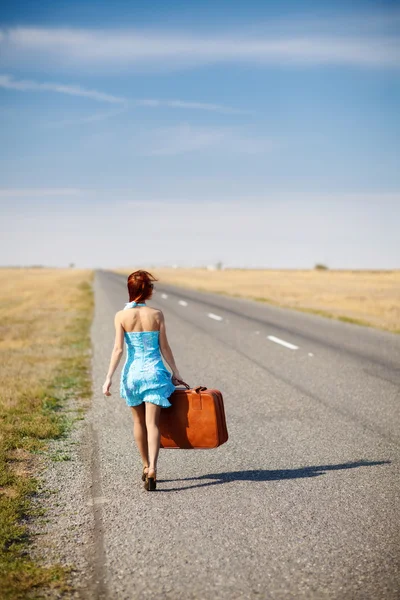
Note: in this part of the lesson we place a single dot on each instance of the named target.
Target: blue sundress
(144, 377)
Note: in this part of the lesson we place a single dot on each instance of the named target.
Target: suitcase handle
(180, 382)
(197, 389)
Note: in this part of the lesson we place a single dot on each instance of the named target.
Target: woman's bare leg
(153, 433)
(140, 432)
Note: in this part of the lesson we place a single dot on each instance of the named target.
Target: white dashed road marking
(215, 317)
(165, 296)
(182, 303)
(282, 342)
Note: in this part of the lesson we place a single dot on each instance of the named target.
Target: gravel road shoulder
(64, 533)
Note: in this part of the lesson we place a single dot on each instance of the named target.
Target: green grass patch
(33, 417)
(263, 299)
(355, 321)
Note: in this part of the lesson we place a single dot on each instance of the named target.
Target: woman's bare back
(143, 318)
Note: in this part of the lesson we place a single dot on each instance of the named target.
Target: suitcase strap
(196, 394)
(197, 403)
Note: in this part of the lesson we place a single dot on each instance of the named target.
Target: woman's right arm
(165, 348)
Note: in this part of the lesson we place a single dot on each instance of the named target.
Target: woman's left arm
(115, 355)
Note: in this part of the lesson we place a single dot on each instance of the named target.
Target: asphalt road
(302, 502)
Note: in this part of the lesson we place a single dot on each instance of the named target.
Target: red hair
(140, 286)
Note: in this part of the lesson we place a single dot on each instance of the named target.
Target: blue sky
(256, 133)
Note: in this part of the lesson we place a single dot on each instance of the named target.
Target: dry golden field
(365, 297)
(45, 317)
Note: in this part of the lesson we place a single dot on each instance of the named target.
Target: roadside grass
(368, 298)
(45, 317)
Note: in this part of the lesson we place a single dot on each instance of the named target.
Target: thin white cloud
(10, 83)
(23, 85)
(91, 118)
(106, 49)
(185, 138)
(181, 139)
(150, 102)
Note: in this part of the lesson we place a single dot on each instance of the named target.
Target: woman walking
(145, 383)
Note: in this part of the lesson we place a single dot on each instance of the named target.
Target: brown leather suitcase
(196, 419)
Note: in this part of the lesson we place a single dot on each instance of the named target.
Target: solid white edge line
(282, 342)
(182, 303)
(215, 317)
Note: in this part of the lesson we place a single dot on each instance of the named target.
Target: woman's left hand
(106, 387)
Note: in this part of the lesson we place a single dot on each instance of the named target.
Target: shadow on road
(267, 475)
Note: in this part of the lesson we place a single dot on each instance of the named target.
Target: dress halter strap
(133, 304)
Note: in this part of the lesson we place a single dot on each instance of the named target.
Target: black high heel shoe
(150, 483)
(144, 474)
